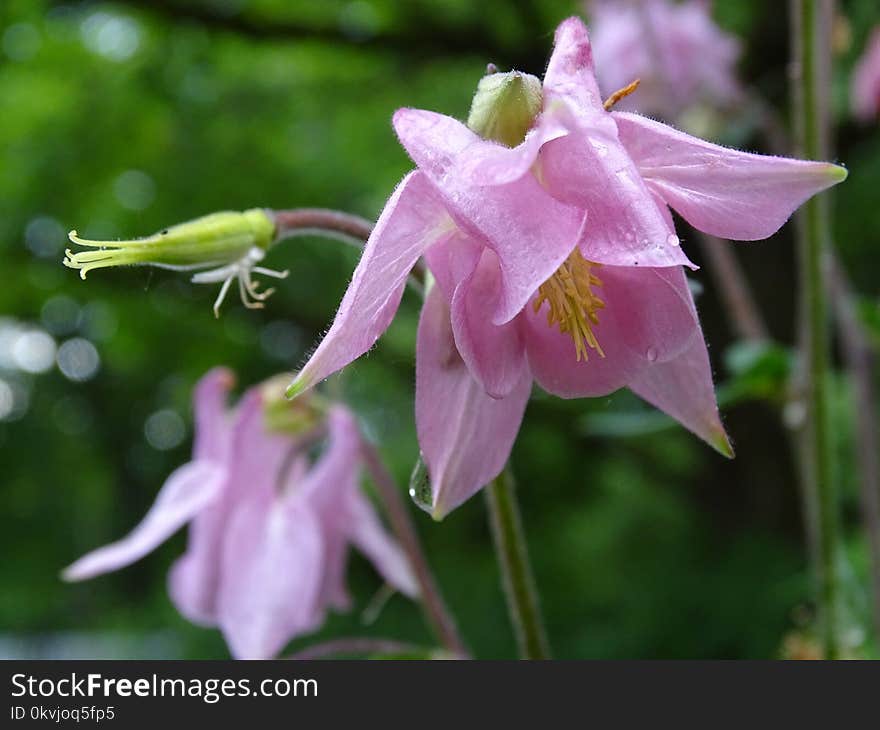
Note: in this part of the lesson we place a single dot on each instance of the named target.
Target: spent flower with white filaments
(222, 247)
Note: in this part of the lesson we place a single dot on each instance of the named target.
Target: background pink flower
(681, 56)
(269, 531)
(865, 85)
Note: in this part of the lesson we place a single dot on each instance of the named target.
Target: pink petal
(331, 490)
(654, 309)
(570, 73)
(529, 231)
(721, 191)
(194, 578)
(324, 487)
(334, 591)
(494, 354)
(465, 435)
(187, 491)
(621, 54)
(366, 532)
(337, 471)
(553, 362)
(590, 169)
(680, 55)
(648, 317)
(212, 422)
(495, 164)
(453, 261)
(254, 461)
(865, 81)
(683, 388)
(413, 219)
(272, 568)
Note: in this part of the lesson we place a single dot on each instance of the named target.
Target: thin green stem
(811, 73)
(516, 572)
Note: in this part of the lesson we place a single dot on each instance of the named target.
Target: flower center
(573, 305)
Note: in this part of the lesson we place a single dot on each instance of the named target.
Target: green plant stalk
(516, 572)
(811, 59)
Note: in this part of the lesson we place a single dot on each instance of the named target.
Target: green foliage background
(645, 543)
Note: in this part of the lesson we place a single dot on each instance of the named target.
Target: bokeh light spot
(112, 36)
(21, 42)
(34, 351)
(134, 190)
(78, 359)
(164, 429)
(45, 237)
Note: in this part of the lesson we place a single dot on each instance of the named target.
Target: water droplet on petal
(421, 499)
(673, 240)
(651, 354)
(420, 487)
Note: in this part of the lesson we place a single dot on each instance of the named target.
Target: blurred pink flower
(555, 260)
(269, 532)
(681, 56)
(865, 86)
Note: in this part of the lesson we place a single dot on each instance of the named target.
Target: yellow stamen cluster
(573, 305)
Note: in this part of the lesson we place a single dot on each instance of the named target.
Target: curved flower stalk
(681, 56)
(269, 531)
(865, 85)
(555, 261)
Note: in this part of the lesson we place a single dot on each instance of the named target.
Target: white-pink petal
(213, 422)
(368, 535)
(683, 388)
(465, 435)
(570, 73)
(590, 169)
(531, 232)
(273, 561)
(254, 458)
(188, 490)
(722, 191)
(494, 354)
(865, 83)
(413, 219)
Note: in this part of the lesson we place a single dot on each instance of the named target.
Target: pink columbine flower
(556, 261)
(865, 87)
(681, 56)
(268, 531)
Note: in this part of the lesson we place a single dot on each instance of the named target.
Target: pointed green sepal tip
(838, 173)
(297, 387)
(505, 107)
(721, 443)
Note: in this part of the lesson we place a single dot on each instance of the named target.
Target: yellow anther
(620, 94)
(573, 305)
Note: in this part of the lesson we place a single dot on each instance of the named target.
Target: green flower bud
(505, 107)
(218, 238)
(229, 244)
(292, 417)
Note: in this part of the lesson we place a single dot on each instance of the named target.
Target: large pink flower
(269, 531)
(865, 86)
(554, 261)
(675, 48)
